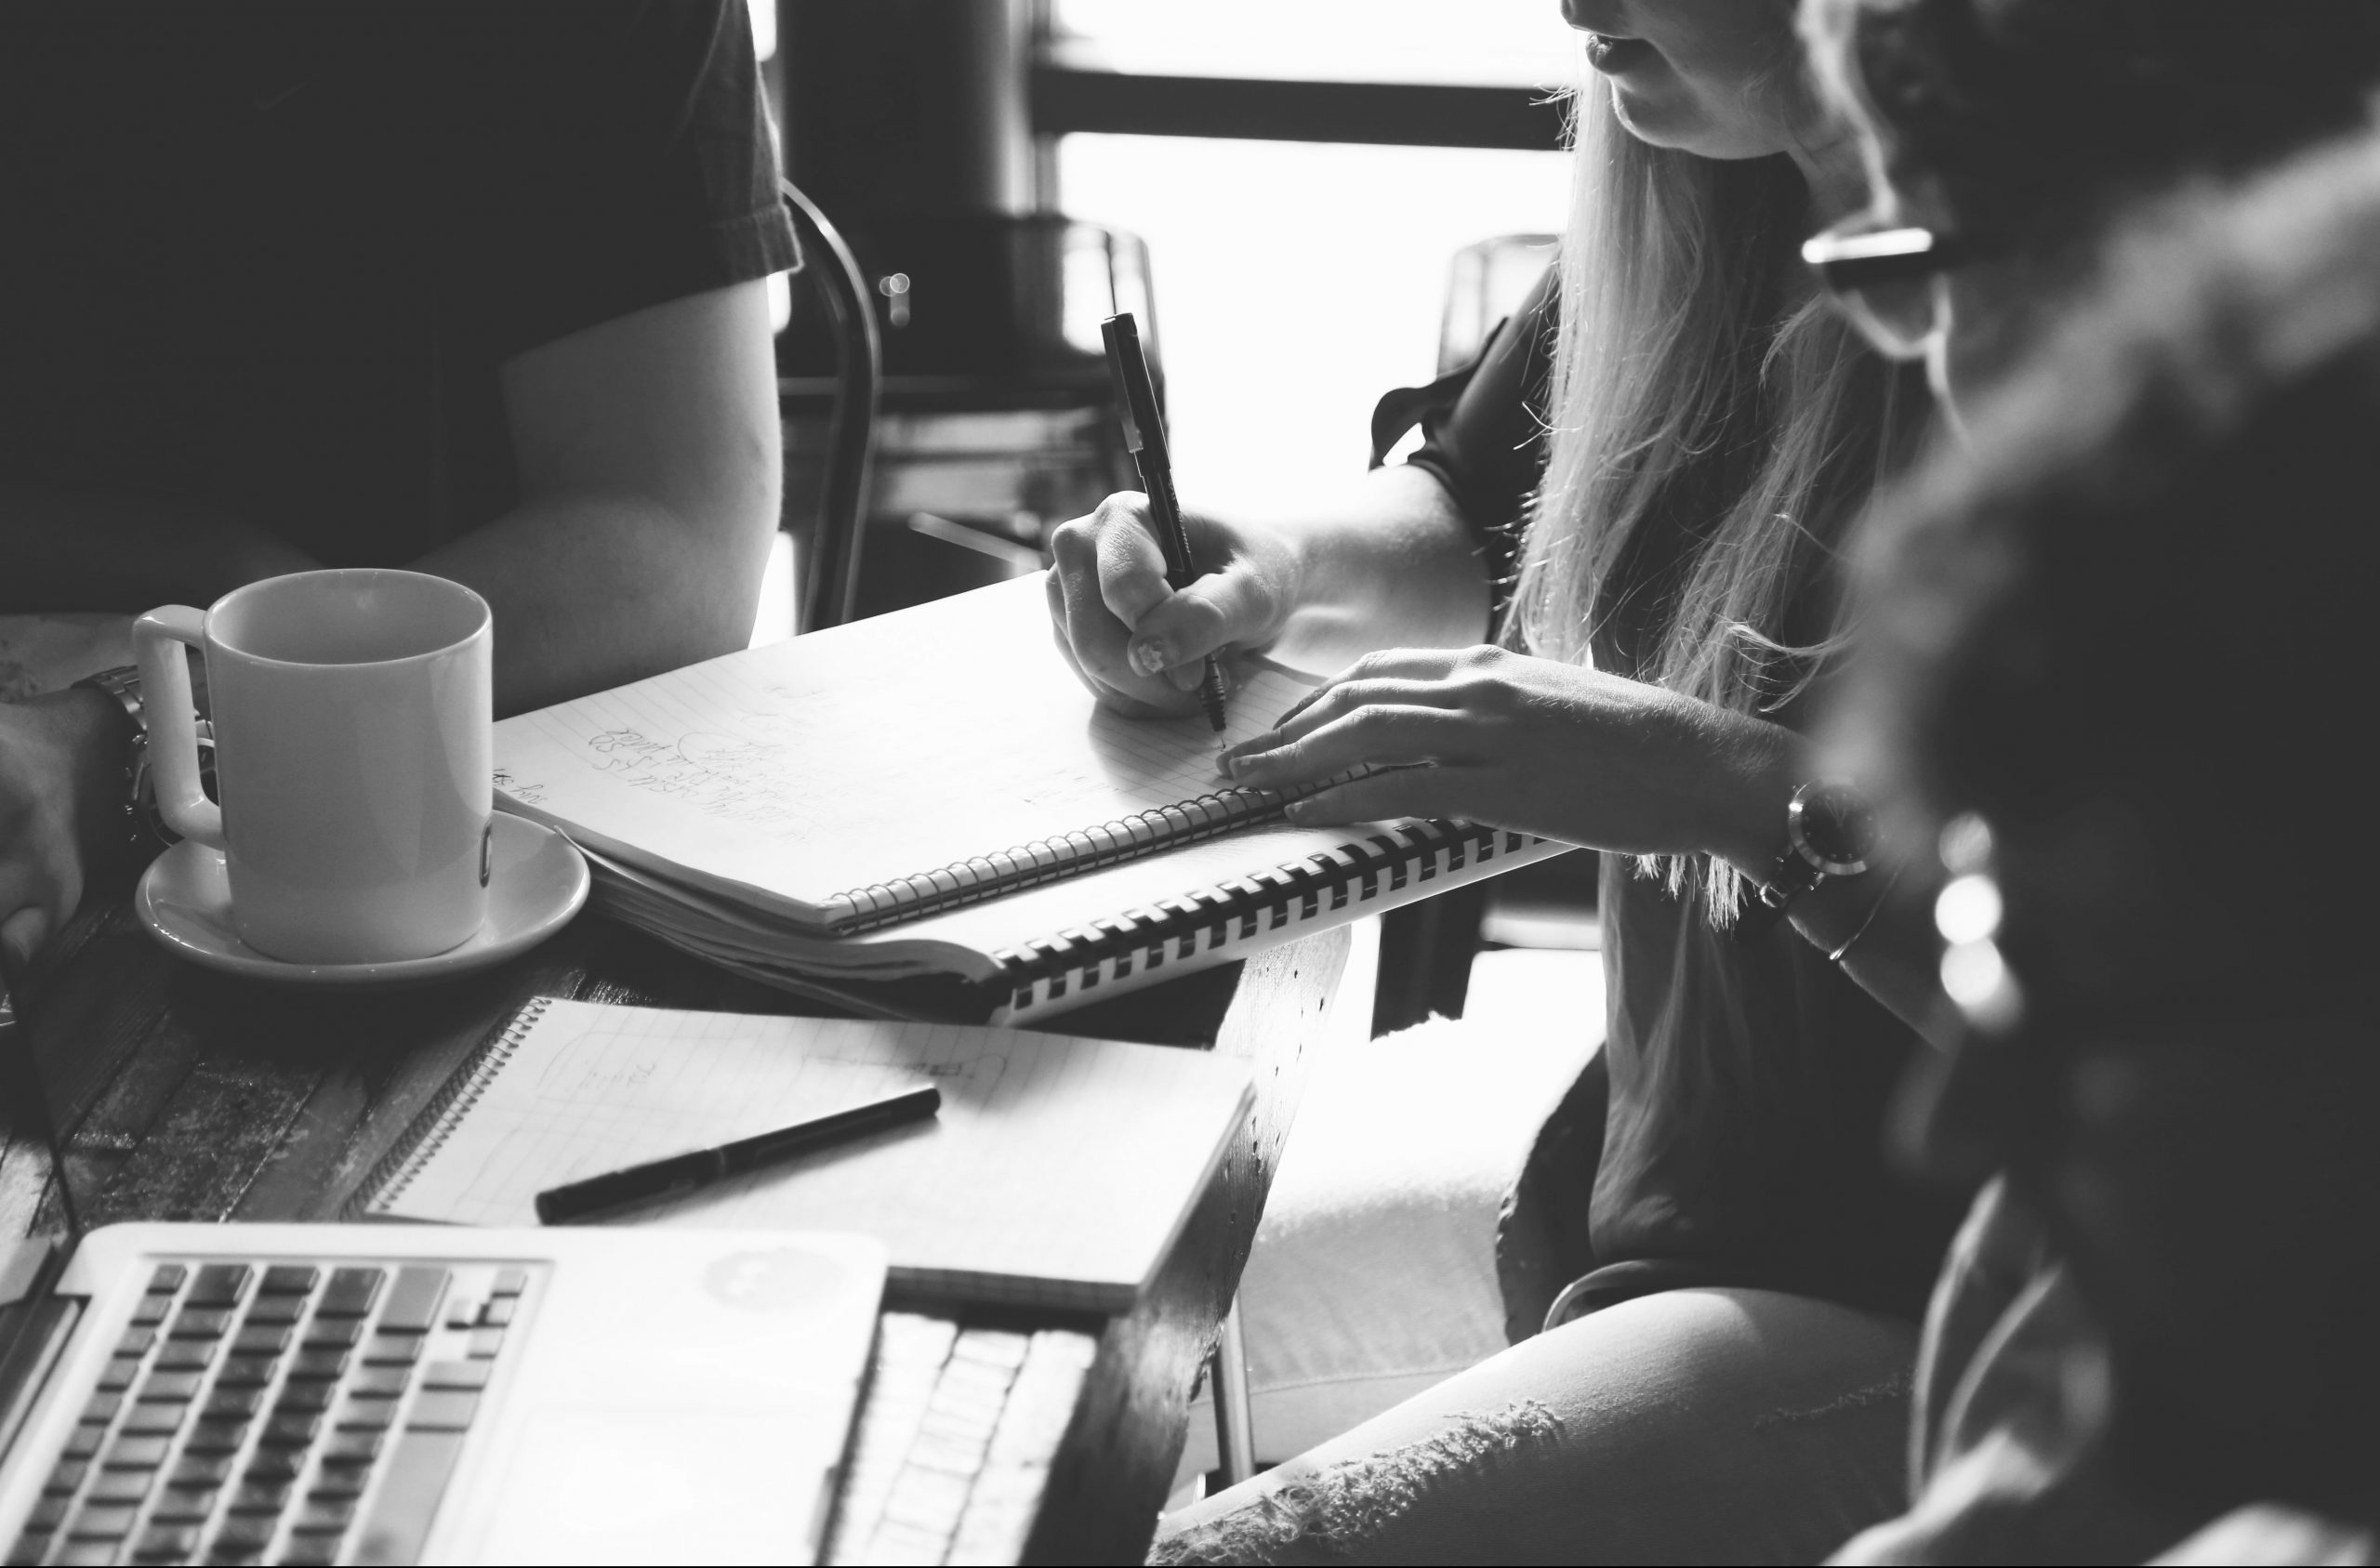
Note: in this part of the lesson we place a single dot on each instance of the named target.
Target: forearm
(72, 549)
(1395, 567)
(593, 591)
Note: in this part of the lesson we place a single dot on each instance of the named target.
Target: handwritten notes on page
(1058, 1172)
(883, 750)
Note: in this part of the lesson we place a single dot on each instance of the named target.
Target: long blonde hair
(1714, 427)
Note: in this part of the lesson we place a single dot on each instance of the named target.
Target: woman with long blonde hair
(1744, 1278)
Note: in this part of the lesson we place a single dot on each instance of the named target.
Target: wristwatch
(145, 829)
(1830, 828)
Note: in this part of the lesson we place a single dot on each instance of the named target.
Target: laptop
(397, 1394)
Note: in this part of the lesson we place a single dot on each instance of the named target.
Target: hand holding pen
(1145, 437)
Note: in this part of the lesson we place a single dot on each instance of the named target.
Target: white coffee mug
(352, 712)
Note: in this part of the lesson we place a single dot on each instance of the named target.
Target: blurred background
(1305, 202)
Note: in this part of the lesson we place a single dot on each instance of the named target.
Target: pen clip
(1128, 369)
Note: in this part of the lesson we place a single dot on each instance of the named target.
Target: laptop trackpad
(654, 1485)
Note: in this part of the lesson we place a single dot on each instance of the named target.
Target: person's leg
(1734, 1425)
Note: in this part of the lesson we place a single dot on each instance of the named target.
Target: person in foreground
(2112, 670)
(477, 291)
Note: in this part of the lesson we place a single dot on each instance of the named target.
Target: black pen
(1144, 439)
(687, 1173)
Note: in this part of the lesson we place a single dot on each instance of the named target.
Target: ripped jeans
(1718, 1425)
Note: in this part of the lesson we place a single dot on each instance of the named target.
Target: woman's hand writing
(1535, 745)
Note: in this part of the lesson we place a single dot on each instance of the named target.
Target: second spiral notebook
(932, 792)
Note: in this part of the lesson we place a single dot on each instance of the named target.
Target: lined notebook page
(1057, 1172)
(888, 748)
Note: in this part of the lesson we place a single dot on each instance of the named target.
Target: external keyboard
(278, 1412)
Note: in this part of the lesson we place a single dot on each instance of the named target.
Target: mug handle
(157, 640)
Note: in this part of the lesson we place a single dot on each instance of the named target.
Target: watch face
(1834, 826)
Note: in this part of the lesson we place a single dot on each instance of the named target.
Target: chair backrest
(831, 578)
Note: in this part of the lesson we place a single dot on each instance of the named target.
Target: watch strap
(121, 683)
(1788, 880)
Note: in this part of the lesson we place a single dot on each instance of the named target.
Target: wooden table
(185, 1095)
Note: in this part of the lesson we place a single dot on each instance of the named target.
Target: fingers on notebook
(1423, 790)
(1379, 736)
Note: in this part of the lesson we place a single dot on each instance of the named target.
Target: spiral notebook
(1057, 1173)
(926, 814)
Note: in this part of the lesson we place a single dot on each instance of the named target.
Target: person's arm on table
(1588, 758)
(647, 451)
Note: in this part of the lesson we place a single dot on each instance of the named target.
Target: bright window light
(1296, 282)
(1515, 43)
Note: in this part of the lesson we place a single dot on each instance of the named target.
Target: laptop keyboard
(277, 1412)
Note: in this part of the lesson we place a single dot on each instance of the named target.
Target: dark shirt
(1742, 1138)
(269, 259)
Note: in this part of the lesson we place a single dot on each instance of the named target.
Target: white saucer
(537, 881)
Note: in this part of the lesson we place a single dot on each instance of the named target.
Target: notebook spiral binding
(1179, 929)
(1046, 860)
(419, 1144)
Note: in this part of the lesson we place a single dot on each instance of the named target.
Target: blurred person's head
(1712, 426)
(2120, 658)
(2011, 130)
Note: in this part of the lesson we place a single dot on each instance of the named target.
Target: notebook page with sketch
(867, 774)
(1057, 1173)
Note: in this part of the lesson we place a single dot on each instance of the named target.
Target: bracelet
(1873, 910)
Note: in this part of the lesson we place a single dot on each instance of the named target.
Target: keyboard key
(242, 1537)
(310, 1397)
(85, 1439)
(154, 1420)
(340, 1480)
(200, 1323)
(485, 1342)
(79, 1553)
(352, 1447)
(260, 1497)
(351, 1293)
(289, 1279)
(309, 1550)
(136, 1341)
(367, 1416)
(200, 1471)
(47, 1515)
(183, 1505)
(167, 1279)
(509, 1282)
(30, 1547)
(456, 1375)
(275, 1308)
(378, 1382)
(412, 1301)
(232, 1404)
(217, 1437)
(111, 1522)
(218, 1284)
(135, 1453)
(316, 1367)
(246, 1372)
(393, 1350)
(290, 1429)
(120, 1486)
(263, 1339)
(186, 1355)
(179, 1388)
(445, 1411)
(67, 1476)
(152, 1310)
(273, 1464)
(103, 1409)
(415, 1477)
(462, 1312)
(117, 1374)
(499, 1312)
(167, 1543)
(332, 1333)
(330, 1516)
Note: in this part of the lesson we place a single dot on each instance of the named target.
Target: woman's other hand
(1138, 644)
(1531, 745)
